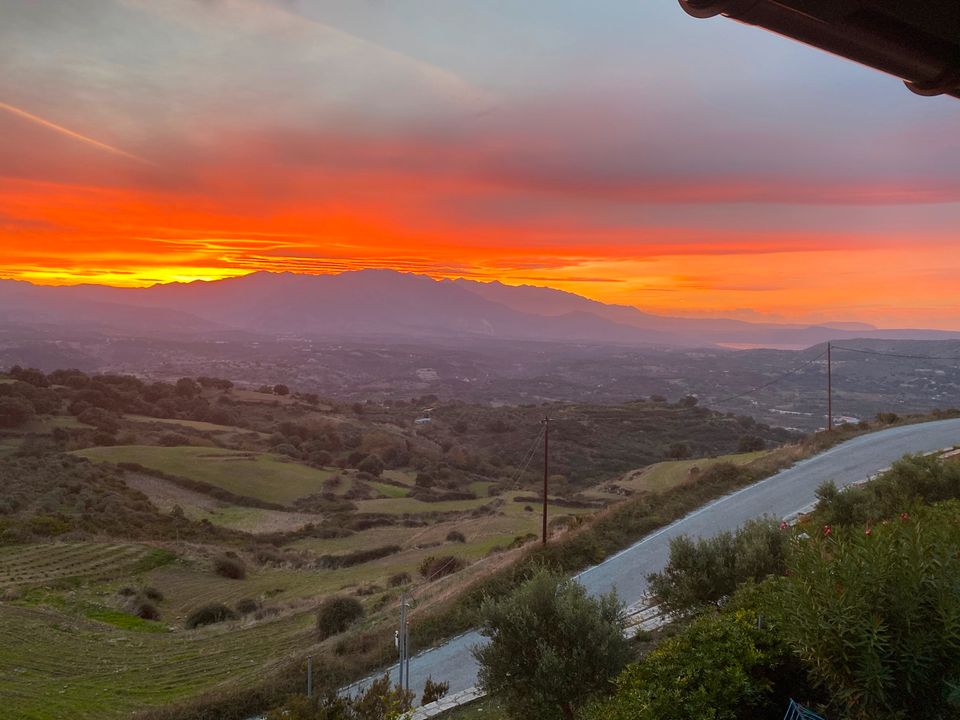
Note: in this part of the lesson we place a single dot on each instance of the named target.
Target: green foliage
(911, 480)
(433, 691)
(48, 525)
(877, 616)
(707, 571)
(15, 411)
(551, 647)
(209, 615)
(456, 536)
(751, 443)
(720, 667)
(229, 567)
(54, 494)
(371, 464)
(336, 614)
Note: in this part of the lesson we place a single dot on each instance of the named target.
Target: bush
(336, 614)
(247, 606)
(718, 668)
(551, 647)
(153, 593)
(399, 579)
(876, 614)
(456, 536)
(433, 691)
(209, 615)
(229, 567)
(751, 443)
(126, 592)
(706, 572)
(146, 610)
(15, 411)
(434, 567)
(371, 464)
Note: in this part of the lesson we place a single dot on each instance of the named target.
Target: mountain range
(385, 303)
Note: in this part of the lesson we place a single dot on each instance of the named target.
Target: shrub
(229, 567)
(875, 614)
(126, 592)
(209, 615)
(153, 593)
(539, 658)
(48, 525)
(456, 536)
(706, 572)
(336, 614)
(717, 668)
(371, 464)
(433, 691)
(146, 610)
(399, 579)
(435, 567)
(751, 443)
(15, 411)
(247, 606)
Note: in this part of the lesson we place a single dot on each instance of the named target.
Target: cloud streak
(50, 125)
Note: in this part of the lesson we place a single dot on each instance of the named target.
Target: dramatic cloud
(623, 151)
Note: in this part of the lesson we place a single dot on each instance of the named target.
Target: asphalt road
(780, 495)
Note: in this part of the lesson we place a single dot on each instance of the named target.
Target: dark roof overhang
(915, 40)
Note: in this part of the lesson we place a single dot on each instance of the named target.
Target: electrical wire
(895, 355)
(777, 379)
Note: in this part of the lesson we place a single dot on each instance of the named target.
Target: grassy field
(663, 476)
(165, 495)
(258, 475)
(33, 565)
(8, 447)
(192, 425)
(61, 667)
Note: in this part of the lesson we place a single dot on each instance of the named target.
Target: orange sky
(246, 151)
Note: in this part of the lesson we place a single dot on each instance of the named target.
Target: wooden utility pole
(546, 472)
(829, 388)
(401, 634)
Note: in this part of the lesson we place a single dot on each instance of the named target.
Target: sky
(620, 149)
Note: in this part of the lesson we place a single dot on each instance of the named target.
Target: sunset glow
(676, 171)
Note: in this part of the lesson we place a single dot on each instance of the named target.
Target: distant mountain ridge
(390, 303)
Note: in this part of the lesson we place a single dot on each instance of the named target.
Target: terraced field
(264, 476)
(56, 667)
(186, 588)
(32, 565)
(193, 425)
(8, 447)
(198, 506)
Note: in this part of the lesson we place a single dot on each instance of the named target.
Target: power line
(777, 379)
(896, 355)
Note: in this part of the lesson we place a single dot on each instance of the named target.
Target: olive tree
(551, 647)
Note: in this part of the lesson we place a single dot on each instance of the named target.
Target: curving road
(780, 495)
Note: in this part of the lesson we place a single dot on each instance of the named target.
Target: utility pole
(402, 640)
(401, 634)
(546, 472)
(309, 676)
(406, 649)
(829, 388)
